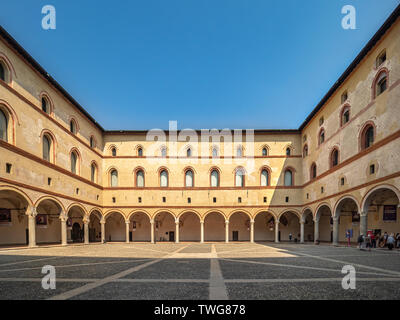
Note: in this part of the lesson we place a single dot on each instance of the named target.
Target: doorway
(76, 234)
(235, 235)
(171, 236)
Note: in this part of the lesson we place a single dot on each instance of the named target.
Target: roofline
(371, 43)
(11, 41)
(256, 131)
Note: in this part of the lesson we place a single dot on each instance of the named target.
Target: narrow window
(239, 178)
(381, 85)
(114, 178)
(264, 152)
(72, 126)
(2, 73)
(381, 59)
(344, 97)
(214, 199)
(140, 199)
(286, 199)
(239, 152)
(264, 178)
(3, 127)
(265, 199)
(305, 151)
(335, 158)
(214, 152)
(239, 199)
(342, 181)
(321, 137)
(189, 200)
(288, 178)
(189, 152)
(44, 105)
(288, 151)
(322, 189)
(313, 171)
(214, 178)
(345, 116)
(189, 178)
(140, 179)
(369, 137)
(140, 152)
(164, 199)
(8, 167)
(372, 169)
(49, 181)
(93, 172)
(164, 152)
(91, 142)
(321, 121)
(74, 159)
(114, 199)
(46, 148)
(114, 152)
(164, 178)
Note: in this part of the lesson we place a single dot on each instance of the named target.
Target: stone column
(86, 230)
(63, 218)
(316, 230)
(127, 223)
(32, 227)
(363, 223)
(335, 240)
(103, 230)
(252, 231)
(226, 231)
(201, 231)
(277, 231)
(301, 231)
(177, 231)
(152, 230)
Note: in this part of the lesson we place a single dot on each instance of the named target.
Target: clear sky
(135, 65)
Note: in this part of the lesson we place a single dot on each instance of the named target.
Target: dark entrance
(76, 234)
(171, 236)
(27, 236)
(235, 235)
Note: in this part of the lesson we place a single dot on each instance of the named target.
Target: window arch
(239, 151)
(288, 151)
(380, 83)
(140, 152)
(313, 171)
(46, 145)
(163, 151)
(188, 152)
(73, 128)
(93, 172)
(92, 142)
(214, 152)
(264, 152)
(139, 181)
(214, 178)
(334, 158)
(305, 151)
(189, 178)
(163, 178)
(74, 162)
(239, 177)
(345, 115)
(288, 177)
(114, 178)
(3, 126)
(265, 177)
(2, 72)
(367, 135)
(321, 136)
(114, 151)
(5, 73)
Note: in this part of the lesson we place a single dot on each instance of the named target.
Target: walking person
(290, 237)
(385, 237)
(390, 241)
(368, 241)
(348, 237)
(360, 241)
(373, 240)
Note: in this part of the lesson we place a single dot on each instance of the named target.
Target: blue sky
(135, 65)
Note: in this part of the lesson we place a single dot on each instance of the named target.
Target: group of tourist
(372, 240)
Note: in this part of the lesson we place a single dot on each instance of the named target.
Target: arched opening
(214, 152)
(93, 172)
(239, 177)
(313, 171)
(74, 162)
(164, 178)
(349, 219)
(2, 72)
(189, 227)
(114, 152)
(308, 226)
(334, 160)
(324, 224)
(214, 178)
(239, 227)
(164, 225)
(139, 178)
(305, 151)
(139, 227)
(73, 126)
(48, 223)
(75, 226)
(95, 226)
(189, 178)
(214, 227)
(115, 228)
(382, 207)
(264, 227)
(264, 152)
(367, 136)
(265, 177)
(47, 145)
(289, 227)
(321, 136)
(13, 219)
(3, 126)
(288, 151)
(288, 178)
(114, 178)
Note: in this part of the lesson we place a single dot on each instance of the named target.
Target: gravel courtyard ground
(193, 271)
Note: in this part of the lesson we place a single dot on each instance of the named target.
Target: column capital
(251, 221)
(151, 221)
(335, 218)
(363, 213)
(103, 221)
(176, 220)
(302, 221)
(226, 221)
(201, 221)
(127, 221)
(63, 217)
(86, 220)
(32, 212)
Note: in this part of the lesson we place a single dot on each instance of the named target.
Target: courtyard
(194, 271)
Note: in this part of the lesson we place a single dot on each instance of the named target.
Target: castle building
(65, 179)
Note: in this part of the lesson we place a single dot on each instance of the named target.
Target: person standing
(360, 241)
(390, 241)
(368, 242)
(373, 240)
(348, 237)
(290, 237)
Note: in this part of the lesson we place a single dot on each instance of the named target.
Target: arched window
(313, 171)
(114, 178)
(288, 178)
(3, 126)
(305, 151)
(189, 152)
(93, 172)
(74, 162)
(214, 152)
(345, 117)
(239, 178)
(72, 126)
(334, 158)
(367, 138)
(46, 148)
(239, 152)
(381, 84)
(114, 152)
(164, 152)
(2, 72)
(92, 143)
(45, 106)
(288, 151)
(140, 152)
(381, 58)
(321, 137)
(264, 178)
(140, 179)
(214, 178)
(189, 178)
(164, 178)
(264, 152)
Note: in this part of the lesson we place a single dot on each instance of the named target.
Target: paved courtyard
(199, 271)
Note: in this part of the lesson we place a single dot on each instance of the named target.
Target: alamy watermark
(49, 20)
(349, 280)
(349, 20)
(49, 280)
